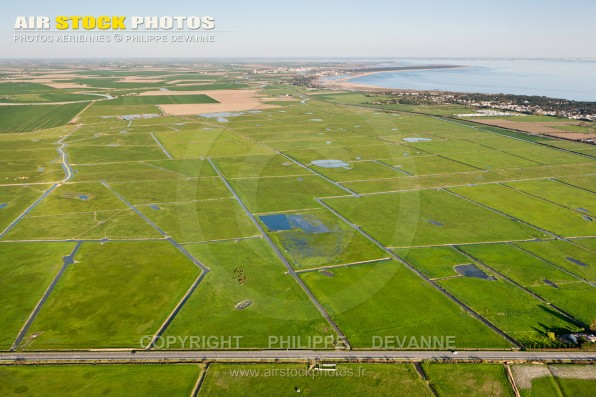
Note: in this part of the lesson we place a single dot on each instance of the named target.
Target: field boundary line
(366, 262)
(162, 328)
(27, 211)
(555, 178)
(200, 380)
(511, 380)
(67, 261)
(471, 243)
(161, 146)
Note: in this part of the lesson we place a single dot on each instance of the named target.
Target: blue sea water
(567, 79)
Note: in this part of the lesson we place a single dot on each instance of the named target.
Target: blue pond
(472, 271)
(3, 205)
(276, 222)
(280, 222)
(83, 197)
(154, 207)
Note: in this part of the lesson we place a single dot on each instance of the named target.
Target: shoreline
(344, 82)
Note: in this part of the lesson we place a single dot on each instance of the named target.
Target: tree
(593, 325)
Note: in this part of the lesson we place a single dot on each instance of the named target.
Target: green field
(35, 117)
(95, 381)
(246, 271)
(511, 309)
(22, 286)
(292, 379)
(375, 300)
(81, 210)
(434, 262)
(114, 294)
(428, 217)
(563, 254)
(547, 281)
(157, 100)
(272, 194)
(546, 215)
(468, 380)
(190, 222)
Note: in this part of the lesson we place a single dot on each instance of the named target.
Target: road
(268, 355)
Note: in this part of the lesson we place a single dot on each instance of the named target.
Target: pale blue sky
(307, 28)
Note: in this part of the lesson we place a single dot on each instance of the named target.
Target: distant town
(315, 77)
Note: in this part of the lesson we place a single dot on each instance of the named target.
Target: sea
(556, 78)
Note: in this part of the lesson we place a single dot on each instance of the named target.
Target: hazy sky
(322, 28)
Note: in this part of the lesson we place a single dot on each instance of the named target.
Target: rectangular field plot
(157, 100)
(546, 155)
(386, 151)
(36, 117)
(551, 217)
(336, 153)
(546, 171)
(117, 224)
(424, 165)
(27, 271)
(210, 143)
(283, 194)
(354, 171)
(473, 380)
(258, 166)
(122, 172)
(375, 300)
(172, 190)
(101, 380)
(246, 293)
(568, 256)
(100, 114)
(81, 210)
(428, 217)
(112, 296)
(192, 168)
(234, 380)
(202, 221)
(421, 182)
(120, 137)
(83, 154)
(434, 262)
(559, 193)
(512, 310)
(488, 159)
(318, 238)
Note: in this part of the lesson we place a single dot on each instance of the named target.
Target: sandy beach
(344, 83)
